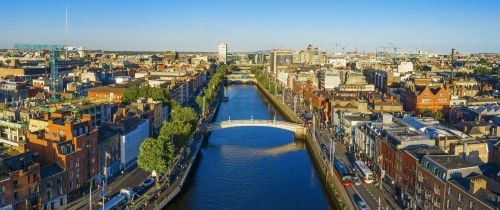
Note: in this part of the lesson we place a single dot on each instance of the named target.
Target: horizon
(256, 26)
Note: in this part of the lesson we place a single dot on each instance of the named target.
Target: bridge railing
(255, 122)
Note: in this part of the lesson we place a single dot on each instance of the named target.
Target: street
(128, 180)
(367, 192)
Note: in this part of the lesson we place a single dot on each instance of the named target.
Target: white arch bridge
(298, 130)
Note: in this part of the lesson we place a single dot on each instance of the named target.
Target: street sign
(101, 194)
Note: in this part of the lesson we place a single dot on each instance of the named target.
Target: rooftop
(50, 170)
(450, 162)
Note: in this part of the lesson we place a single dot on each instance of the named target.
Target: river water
(251, 167)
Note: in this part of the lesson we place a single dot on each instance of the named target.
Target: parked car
(148, 182)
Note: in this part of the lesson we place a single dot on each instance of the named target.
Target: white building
(122, 79)
(283, 78)
(338, 62)
(130, 141)
(223, 52)
(405, 67)
(332, 80)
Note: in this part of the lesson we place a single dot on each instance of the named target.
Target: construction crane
(54, 53)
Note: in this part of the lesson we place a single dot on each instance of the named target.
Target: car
(362, 205)
(356, 180)
(148, 182)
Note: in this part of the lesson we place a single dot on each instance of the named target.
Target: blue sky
(199, 25)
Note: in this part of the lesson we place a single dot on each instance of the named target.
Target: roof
(419, 151)
(50, 170)
(107, 89)
(484, 195)
(450, 162)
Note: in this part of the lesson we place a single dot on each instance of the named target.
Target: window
(471, 205)
(16, 195)
(426, 100)
(460, 199)
(61, 202)
(16, 184)
(449, 190)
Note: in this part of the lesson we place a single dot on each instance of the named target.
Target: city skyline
(253, 26)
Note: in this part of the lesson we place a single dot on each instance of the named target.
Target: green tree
(153, 157)
(130, 94)
(178, 132)
(437, 115)
(184, 114)
(483, 70)
(133, 93)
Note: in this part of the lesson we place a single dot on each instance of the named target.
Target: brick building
(19, 181)
(72, 143)
(420, 98)
(432, 174)
(113, 94)
(470, 193)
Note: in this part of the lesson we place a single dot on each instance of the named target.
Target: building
(311, 56)
(407, 165)
(405, 67)
(13, 91)
(470, 193)
(420, 98)
(279, 60)
(71, 142)
(13, 131)
(113, 94)
(331, 80)
(53, 187)
(132, 131)
(223, 52)
(109, 150)
(19, 181)
(462, 86)
(432, 174)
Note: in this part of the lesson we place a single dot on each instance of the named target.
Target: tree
(178, 132)
(483, 61)
(438, 115)
(184, 114)
(482, 70)
(130, 94)
(133, 93)
(153, 157)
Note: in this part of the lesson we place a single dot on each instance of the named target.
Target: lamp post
(295, 104)
(106, 156)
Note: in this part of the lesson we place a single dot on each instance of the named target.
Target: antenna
(66, 26)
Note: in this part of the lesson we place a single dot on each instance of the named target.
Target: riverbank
(176, 187)
(332, 184)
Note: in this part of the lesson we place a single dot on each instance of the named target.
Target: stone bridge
(298, 130)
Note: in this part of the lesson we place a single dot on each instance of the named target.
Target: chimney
(476, 183)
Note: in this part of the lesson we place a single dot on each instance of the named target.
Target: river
(251, 167)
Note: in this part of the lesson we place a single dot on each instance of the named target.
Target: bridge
(240, 78)
(298, 130)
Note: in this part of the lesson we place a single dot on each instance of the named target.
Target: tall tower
(223, 52)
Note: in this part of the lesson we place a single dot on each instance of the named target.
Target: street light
(106, 156)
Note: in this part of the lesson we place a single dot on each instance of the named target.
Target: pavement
(366, 192)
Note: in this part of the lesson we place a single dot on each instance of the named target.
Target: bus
(364, 172)
(119, 201)
(343, 172)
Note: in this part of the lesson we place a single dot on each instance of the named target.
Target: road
(128, 180)
(367, 192)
